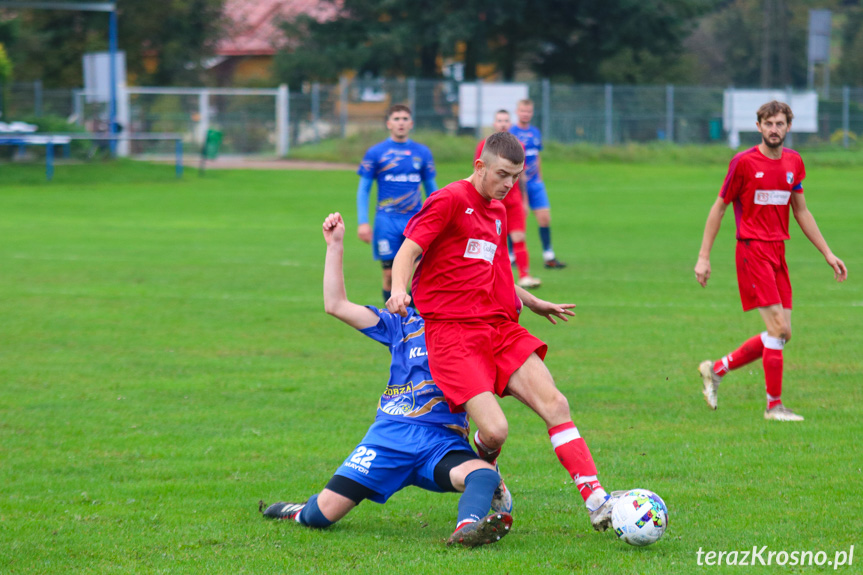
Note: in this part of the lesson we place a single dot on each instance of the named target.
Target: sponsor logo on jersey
(416, 352)
(417, 162)
(480, 250)
(398, 399)
(414, 178)
(469, 211)
(497, 226)
(759, 174)
(772, 197)
(789, 177)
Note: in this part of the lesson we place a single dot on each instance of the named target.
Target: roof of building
(253, 25)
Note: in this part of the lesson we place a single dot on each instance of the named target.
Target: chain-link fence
(263, 122)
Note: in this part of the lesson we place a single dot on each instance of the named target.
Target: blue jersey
(532, 141)
(411, 396)
(400, 169)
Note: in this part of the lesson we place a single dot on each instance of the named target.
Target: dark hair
(398, 108)
(772, 108)
(504, 145)
(502, 111)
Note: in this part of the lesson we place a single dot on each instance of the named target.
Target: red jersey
(513, 198)
(464, 273)
(761, 190)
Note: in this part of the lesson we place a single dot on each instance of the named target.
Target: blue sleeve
(428, 172)
(387, 330)
(368, 167)
(430, 186)
(538, 140)
(363, 191)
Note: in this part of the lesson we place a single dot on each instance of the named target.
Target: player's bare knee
(557, 409)
(516, 237)
(494, 435)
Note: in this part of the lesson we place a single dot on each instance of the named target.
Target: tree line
(710, 42)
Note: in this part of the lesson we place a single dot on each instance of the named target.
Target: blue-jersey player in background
(534, 187)
(415, 439)
(399, 165)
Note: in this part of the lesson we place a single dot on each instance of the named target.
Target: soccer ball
(639, 517)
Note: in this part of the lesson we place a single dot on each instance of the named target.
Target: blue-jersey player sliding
(399, 165)
(415, 439)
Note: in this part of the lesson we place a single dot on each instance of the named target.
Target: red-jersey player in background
(762, 182)
(464, 289)
(516, 219)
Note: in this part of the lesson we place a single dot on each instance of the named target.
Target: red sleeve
(733, 184)
(802, 171)
(478, 150)
(431, 220)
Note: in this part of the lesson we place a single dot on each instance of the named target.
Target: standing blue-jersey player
(534, 187)
(399, 165)
(415, 439)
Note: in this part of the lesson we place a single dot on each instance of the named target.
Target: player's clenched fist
(334, 228)
(398, 303)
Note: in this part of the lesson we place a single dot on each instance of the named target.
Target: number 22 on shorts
(363, 456)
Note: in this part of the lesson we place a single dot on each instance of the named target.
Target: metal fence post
(789, 97)
(343, 105)
(846, 120)
(282, 145)
(478, 109)
(669, 113)
(412, 97)
(609, 128)
(203, 115)
(546, 106)
(316, 110)
(123, 119)
(77, 106)
(37, 98)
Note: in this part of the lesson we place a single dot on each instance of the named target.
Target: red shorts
(516, 219)
(468, 358)
(762, 274)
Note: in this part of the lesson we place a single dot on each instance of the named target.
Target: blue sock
(387, 295)
(545, 238)
(311, 515)
(479, 489)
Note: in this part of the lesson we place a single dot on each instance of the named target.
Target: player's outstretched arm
(364, 230)
(544, 308)
(810, 229)
(403, 267)
(711, 228)
(336, 302)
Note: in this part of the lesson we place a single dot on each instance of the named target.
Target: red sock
(573, 453)
(522, 259)
(751, 350)
(588, 487)
(772, 360)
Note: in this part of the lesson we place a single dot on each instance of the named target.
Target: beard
(773, 144)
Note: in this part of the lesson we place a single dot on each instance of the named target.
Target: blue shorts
(389, 235)
(394, 455)
(537, 198)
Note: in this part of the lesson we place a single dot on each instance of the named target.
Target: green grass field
(165, 362)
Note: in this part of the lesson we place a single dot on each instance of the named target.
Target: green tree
(175, 37)
(849, 71)
(569, 38)
(5, 66)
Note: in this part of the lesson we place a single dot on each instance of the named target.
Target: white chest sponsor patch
(772, 197)
(480, 250)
